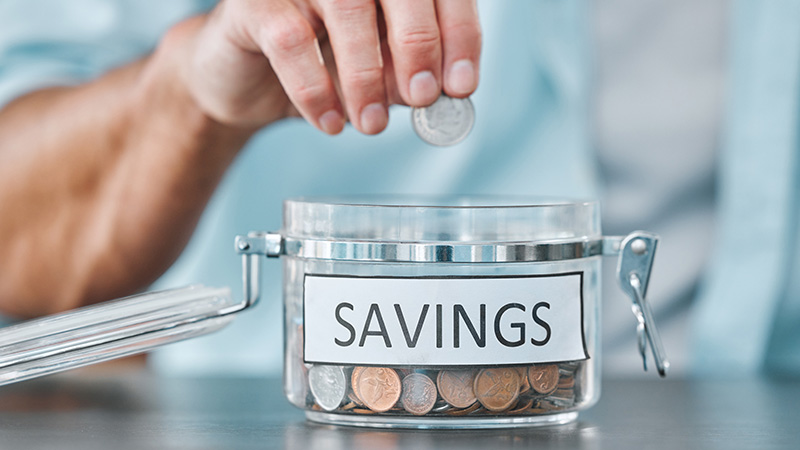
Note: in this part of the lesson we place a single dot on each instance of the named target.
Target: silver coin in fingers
(446, 122)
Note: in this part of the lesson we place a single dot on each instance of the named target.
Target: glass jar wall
(450, 313)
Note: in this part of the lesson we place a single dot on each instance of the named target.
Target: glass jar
(414, 313)
(443, 313)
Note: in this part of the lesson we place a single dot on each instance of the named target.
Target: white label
(447, 321)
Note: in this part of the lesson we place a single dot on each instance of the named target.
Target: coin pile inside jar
(517, 390)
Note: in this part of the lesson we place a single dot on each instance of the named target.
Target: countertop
(142, 411)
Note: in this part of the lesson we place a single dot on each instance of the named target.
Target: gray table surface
(141, 411)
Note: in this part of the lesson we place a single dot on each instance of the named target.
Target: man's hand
(102, 184)
(392, 51)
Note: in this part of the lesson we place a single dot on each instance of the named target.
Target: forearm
(101, 185)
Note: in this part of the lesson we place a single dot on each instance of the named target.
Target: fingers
(353, 33)
(461, 41)
(392, 94)
(288, 40)
(414, 40)
(433, 46)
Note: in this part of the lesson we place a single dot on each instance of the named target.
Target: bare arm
(102, 184)
(99, 194)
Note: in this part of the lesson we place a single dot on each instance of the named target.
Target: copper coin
(543, 379)
(350, 405)
(457, 387)
(519, 409)
(464, 412)
(354, 382)
(566, 383)
(497, 389)
(524, 386)
(379, 388)
(419, 394)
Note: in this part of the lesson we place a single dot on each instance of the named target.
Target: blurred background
(657, 110)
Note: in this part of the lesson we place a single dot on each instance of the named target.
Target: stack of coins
(517, 390)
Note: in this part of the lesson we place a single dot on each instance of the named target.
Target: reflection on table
(139, 410)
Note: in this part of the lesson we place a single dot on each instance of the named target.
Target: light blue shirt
(748, 313)
(531, 137)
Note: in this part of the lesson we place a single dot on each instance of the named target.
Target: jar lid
(435, 229)
(111, 330)
(468, 219)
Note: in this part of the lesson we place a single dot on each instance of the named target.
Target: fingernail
(461, 79)
(331, 122)
(374, 118)
(423, 88)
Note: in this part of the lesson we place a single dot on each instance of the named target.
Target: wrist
(163, 103)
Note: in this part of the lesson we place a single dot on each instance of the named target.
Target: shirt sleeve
(46, 43)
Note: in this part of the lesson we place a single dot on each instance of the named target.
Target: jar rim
(463, 202)
(432, 219)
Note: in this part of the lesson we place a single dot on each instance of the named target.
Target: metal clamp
(636, 254)
(252, 247)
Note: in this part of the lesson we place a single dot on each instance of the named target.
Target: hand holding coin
(329, 61)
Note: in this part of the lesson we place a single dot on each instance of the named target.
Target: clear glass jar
(414, 313)
(445, 313)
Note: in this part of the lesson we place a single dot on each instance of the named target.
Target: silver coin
(446, 122)
(419, 394)
(328, 386)
(441, 407)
